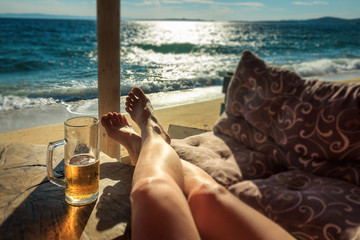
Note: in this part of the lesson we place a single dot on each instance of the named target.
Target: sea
(48, 67)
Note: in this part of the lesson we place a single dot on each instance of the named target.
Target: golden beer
(81, 179)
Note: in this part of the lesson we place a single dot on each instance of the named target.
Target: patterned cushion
(287, 147)
(307, 206)
(212, 154)
(315, 124)
(254, 151)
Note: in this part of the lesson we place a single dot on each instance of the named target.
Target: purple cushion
(315, 124)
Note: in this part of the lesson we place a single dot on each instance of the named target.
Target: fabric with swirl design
(315, 123)
(289, 148)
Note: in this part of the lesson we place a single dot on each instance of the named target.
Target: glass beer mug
(81, 160)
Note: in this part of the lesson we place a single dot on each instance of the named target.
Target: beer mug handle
(49, 163)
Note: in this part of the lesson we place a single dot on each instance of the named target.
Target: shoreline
(17, 119)
(201, 115)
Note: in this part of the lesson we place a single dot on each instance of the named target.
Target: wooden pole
(108, 37)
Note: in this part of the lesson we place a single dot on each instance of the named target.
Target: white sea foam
(158, 100)
(324, 67)
(17, 102)
(66, 93)
(59, 112)
(84, 101)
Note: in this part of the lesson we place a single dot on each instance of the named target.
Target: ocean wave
(17, 102)
(168, 48)
(151, 86)
(25, 98)
(188, 48)
(324, 67)
(66, 94)
(158, 100)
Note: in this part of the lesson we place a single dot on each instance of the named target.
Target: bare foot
(118, 128)
(140, 109)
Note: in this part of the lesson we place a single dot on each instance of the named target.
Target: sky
(218, 10)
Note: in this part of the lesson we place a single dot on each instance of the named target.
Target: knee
(206, 194)
(148, 189)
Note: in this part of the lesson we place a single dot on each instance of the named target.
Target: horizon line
(78, 17)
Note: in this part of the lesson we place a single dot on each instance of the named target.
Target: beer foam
(82, 160)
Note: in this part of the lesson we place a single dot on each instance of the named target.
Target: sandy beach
(201, 115)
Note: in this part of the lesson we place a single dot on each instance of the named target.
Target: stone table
(33, 208)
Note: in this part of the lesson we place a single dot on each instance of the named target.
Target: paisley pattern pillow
(307, 206)
(316, 124)
(288, 147)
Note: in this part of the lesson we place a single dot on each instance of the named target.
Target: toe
(128, 104)
(128, 110)
(139, 93)
(113, 117)
(125, 121)
(119, 119)
(132, 96)
(109, 116)
(129, 100)
(104, 117)
(105, 121)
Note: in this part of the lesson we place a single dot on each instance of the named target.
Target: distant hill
(334, 20)
(322, 20)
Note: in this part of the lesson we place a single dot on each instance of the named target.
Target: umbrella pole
(108, 39)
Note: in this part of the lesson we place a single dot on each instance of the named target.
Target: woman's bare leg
(217, 213)
(159, 207)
